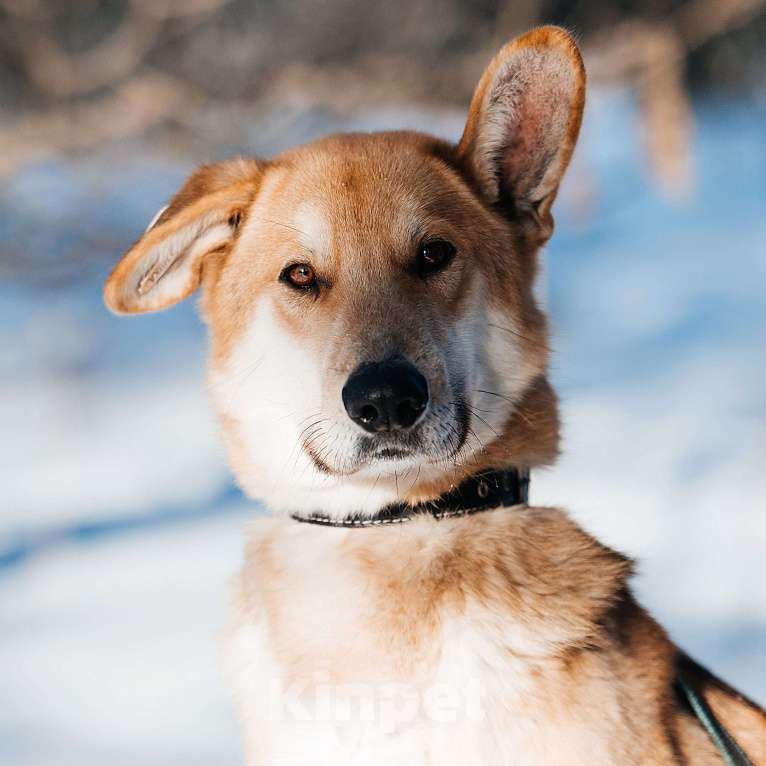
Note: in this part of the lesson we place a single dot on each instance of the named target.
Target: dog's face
(374, 332)
(378, 298)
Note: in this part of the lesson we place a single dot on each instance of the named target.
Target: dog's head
(374, 331)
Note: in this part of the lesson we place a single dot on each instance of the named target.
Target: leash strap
(481, 492)
(731, 752)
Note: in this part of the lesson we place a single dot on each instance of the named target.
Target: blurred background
(119, 523)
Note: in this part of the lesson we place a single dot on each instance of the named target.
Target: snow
(120, 527)
(110, 650)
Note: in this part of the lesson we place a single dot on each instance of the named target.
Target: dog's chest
(349, 648)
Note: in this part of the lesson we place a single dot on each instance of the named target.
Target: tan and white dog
(375, 339)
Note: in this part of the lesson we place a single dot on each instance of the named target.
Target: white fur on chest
(476, 698)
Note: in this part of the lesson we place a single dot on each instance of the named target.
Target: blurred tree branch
(137, 105)
(56, 72)
(650, 57)
(122, 80)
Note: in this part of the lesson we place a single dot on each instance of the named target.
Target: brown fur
(593, 660)
(602, 650)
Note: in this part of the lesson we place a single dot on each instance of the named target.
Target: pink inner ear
(534, 133)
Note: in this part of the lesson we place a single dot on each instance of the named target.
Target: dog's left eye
(434, 256)
(299, 275)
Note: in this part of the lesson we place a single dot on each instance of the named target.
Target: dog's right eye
(433, 256)
(301, 276)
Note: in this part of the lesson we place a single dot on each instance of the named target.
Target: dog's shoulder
(540, 569)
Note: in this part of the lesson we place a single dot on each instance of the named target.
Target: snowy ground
(120, 528)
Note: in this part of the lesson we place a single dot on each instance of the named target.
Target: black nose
(385, 396)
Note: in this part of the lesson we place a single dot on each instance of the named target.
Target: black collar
(482, 492)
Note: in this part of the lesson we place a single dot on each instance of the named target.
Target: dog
(378, 362)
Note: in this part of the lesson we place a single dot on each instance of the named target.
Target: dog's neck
(484, 491)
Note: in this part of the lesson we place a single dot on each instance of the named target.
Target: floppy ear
(165, 265)
(524, 119)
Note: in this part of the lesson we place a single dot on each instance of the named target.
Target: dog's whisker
(285, 226)
(415, 480)
(301, 438)
(495, 393)
(537, 341)
(479, 417)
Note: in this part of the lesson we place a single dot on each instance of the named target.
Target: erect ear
(524, 119)
(165, 265)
